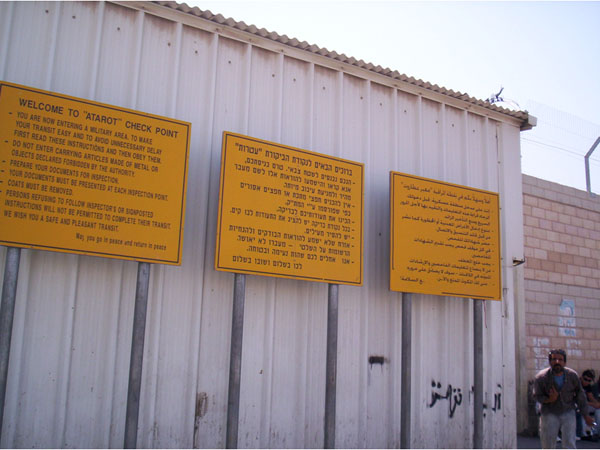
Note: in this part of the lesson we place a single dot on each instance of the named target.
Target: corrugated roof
(527, 121)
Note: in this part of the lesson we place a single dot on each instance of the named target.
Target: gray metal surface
(73, 314)
(235, 362)
(7, 313)
(405, 407)
(331, 371)
(478, 387)
(136, 363)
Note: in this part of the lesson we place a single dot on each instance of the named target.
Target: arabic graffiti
(455, 397)
(497, 401)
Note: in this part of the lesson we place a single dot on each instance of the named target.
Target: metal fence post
(405, 406)
(137, 355)
(7, 313)
(478, 373)
(331, 367)
(235, 360)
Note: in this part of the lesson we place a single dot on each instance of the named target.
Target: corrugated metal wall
(69, 363)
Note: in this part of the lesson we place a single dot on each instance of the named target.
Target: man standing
(558, 389)
(593, 398)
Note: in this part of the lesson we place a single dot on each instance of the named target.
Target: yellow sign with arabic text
(288, 212)
(83, 177)
(445, 239)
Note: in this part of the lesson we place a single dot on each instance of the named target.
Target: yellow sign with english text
(445, 239)
(83, 177)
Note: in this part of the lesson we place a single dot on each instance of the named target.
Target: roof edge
(526, 121)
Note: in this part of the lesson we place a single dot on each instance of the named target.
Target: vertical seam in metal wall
(97, 45)
(248, 62)
(280, 102)
(138, 59)
(483, 326)
(117, 317)
(420, 133)
(309, 306)
(340, 138)
(395, 299)
(469, 304)
(266, 393)
(52, 45)
(483, 332)
(272, 288)
(6, 37)
(364, 305)
(271, 305)
(64, 366)
(444, 145)
(503, 260)
(115, 417)
(141, 435)
(198, 331)
(418, 306)
(468, 148)
(160, 270)
(191, 402)
(337, 152)
(467, 309)
(177, 49)
(66, 381)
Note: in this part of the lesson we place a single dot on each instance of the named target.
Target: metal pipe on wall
(477, 373)
(7, 313)
(331, 367)
(235, 360)
(137, 355)
(405, 390)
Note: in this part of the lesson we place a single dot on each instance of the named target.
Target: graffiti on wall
(566, 319)
(454, 396)
(497, 401)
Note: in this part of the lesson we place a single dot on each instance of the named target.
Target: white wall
(68, 370)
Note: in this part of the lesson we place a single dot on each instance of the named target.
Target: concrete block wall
(562, 274)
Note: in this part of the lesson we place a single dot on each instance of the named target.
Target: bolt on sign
(445, 239)
(288, 212)
(83, 177)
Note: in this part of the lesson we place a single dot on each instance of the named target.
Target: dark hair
(557, 351)
(589, 373)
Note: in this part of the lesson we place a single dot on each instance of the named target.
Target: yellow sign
(445, 239)
(83, 177)
(287, 212)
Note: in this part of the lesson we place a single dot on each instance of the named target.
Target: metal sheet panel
(72, 334)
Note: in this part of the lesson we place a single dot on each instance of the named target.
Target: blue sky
(546, 55)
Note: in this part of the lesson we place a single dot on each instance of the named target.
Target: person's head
(557, 359)
(587, 377)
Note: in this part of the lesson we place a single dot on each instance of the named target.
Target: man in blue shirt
(559, 391)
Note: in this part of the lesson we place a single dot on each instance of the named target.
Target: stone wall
(562, 274)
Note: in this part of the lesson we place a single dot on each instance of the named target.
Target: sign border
(394, 174)
(227, 134)
(187, 126)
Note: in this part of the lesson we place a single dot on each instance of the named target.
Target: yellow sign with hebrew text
(287, 212)
(84, 177)
(445, 239)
